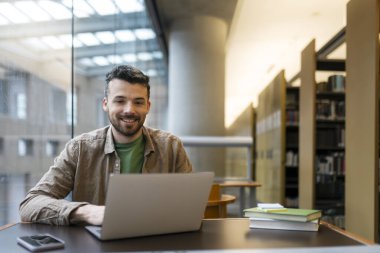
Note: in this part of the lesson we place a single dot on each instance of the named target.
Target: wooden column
(362, 118)
(306, 181)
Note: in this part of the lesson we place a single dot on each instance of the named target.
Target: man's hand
(90, 214)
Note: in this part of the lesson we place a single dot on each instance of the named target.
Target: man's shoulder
(95, 135)
(158, 134)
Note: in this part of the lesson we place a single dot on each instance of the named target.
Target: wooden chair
(217, 203)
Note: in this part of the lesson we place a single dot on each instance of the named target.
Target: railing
(223, 141)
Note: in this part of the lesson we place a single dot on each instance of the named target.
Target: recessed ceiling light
(35, 43)
(32, 10)
(125, 35)
(81, 8)
(87, 62)
(157, 55)
(88, 39)
(103, 7)
(145, 34)
(114, 59)
(144, 56)
(53, 42)
(13, 14)
(129, 58)
(106, 37)
(100, 60)
(128, 6)
(3, 21)
(67, 39)
(56, 10)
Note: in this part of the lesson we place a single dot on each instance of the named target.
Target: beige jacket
(83, 169)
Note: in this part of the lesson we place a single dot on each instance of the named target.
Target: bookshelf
(277, 143)
(291, 147)
(270, 141)
(330, 149)
(322, 136)
(362, 114)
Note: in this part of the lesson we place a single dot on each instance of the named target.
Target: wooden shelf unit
(277, 143)
(321, 142)
(362, 118)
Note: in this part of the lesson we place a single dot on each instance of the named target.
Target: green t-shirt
(131, 155)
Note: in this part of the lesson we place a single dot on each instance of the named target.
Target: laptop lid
(150, 204)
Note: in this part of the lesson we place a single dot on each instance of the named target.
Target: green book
(290, 214)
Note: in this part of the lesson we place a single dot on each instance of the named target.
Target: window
(52, 148)
(101, 115)
(3, 97)
(25, 147)
(21, 105)
(1, 145)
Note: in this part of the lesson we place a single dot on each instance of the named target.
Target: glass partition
(53, 60)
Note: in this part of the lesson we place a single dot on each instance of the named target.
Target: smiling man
(126, 146)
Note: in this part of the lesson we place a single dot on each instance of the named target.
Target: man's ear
(149, 104)
(105, 104)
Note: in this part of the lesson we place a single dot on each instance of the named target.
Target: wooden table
(218, 208)
(215, 234)
(242, 195)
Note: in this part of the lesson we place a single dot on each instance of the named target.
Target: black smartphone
(40, 242)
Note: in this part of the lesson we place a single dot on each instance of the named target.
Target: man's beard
(127, 131)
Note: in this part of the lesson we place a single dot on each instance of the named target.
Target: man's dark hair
(127, 73)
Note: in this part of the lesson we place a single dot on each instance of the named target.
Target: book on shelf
(264, 223)
(290, 214)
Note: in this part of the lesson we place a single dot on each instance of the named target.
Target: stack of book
(283, 218)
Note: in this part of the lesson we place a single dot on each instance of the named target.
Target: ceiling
(269, 35)
(36, 36)
(265, 36)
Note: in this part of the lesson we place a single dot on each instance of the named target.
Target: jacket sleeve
(45, 202)
(183, 164)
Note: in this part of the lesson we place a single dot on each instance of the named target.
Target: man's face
(127, 106)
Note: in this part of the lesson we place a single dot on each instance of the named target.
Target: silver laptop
(151, 204)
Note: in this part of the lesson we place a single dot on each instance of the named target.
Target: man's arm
(45, 202)
(183, 164)
(89, 214)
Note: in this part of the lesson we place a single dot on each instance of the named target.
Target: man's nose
(129, 107)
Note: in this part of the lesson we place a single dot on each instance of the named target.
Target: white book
(284, 225)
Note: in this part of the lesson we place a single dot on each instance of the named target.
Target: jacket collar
(109, 146)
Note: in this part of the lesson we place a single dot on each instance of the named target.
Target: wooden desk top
(225, 199)
(216, 234)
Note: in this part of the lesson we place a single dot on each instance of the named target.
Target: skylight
(100, 60)
(56, 10)
(145, 34)
(129, 58)
(66, 38)
(115, 59)
(3, 21)
(35, 43)
(53, 42)
(12, 14)
(157, 55)
(125, 35)
(106, 37)
(81, 8)
(32, 10)
(103, 7)
(88, 39)
(128, 6)
(87, 62)
(144, 56)
(151, 72)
